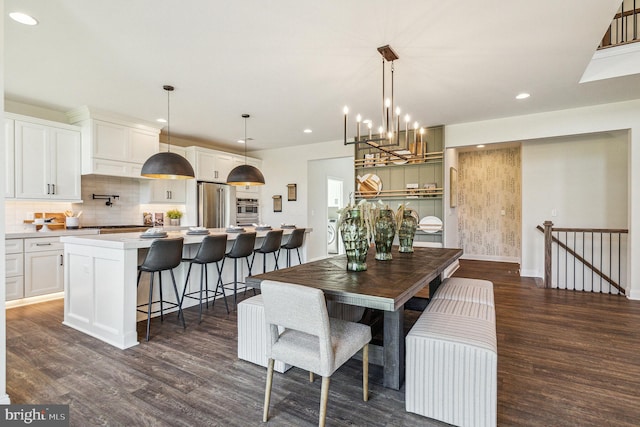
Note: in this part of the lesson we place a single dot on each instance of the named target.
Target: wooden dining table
(385, 285)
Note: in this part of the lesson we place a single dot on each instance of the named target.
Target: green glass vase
(407, 231)
(385, 231)
(354, 237)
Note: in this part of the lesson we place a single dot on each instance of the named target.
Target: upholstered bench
(452, 357)
(463, 289)
(252, 333)
(463, 308)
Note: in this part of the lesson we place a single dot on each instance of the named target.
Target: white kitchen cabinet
(112, 145)
(43, 266)
(9, 159)
(165, 190)
(47, 161)
(212, 165)
(224, 164)
(14, 269)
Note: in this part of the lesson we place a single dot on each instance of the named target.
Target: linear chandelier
(389, 131)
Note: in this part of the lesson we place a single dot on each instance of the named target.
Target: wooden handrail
(548, 229)
(590, 230)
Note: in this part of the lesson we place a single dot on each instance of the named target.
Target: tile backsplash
(125, 210)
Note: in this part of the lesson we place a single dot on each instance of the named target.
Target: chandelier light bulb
(345, 109)
(407, 119)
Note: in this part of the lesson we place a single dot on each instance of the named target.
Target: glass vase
(354, 237)
(385, 231)
(407, 231)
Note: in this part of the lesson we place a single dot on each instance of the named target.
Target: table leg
(393, 337)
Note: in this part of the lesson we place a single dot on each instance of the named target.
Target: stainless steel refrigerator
(216, 205)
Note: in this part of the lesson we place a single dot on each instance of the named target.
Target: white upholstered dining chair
(310, 340)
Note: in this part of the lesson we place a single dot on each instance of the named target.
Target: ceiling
(295, 64)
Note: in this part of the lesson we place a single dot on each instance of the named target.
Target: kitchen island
(100, 291)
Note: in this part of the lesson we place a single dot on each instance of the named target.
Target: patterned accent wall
(489, 182)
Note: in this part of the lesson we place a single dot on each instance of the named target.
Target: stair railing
(624, 27)
(585, 259)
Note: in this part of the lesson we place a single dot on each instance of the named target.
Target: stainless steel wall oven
(247, 211)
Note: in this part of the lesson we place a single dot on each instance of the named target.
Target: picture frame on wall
(453, 187)
(292, 192)
(277, 203)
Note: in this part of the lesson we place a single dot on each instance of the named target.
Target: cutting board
(58, 222)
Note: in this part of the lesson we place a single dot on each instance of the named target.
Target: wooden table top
(385, 285)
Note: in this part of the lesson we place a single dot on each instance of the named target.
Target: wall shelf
(380, 176)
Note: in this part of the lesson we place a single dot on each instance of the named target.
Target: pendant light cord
(169, 89)
(245, 117)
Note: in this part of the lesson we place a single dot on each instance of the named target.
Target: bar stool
(295, 241)
(242, 248)
(164, 254)
(270, 245)
(211, 250)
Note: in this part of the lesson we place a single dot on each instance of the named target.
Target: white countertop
(53, 233)
(134, 241)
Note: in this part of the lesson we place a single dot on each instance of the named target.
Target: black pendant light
(167, 165)
(244, 175)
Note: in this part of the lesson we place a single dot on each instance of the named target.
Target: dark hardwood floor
(564, 359)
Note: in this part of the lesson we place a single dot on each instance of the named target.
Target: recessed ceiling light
(161, 120)
(307, 131)
(523, 95)
(241, 141)
(480, 146)
(23, 18)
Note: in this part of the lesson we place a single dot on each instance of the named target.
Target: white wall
(4, 398)
(451, 235)
(579, 121)
(319, 171)
(289, 165)
(582, 178)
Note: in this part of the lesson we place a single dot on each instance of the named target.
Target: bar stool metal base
(170, 305)
(209, 295)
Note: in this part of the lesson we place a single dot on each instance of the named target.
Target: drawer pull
(43, 244)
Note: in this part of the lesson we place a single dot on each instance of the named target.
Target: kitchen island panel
(101, 294)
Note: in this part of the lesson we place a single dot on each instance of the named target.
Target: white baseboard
(4, 399)
(530, 273)
(34, 300)
(515, 260)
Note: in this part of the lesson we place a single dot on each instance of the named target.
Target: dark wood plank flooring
(564, 359)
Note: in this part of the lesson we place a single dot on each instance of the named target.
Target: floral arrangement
(367, 212)
(174, 214)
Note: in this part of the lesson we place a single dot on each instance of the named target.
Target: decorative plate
(369, 185)
(153, 235)
(430, 224)
(399, 161)
(235, 230)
